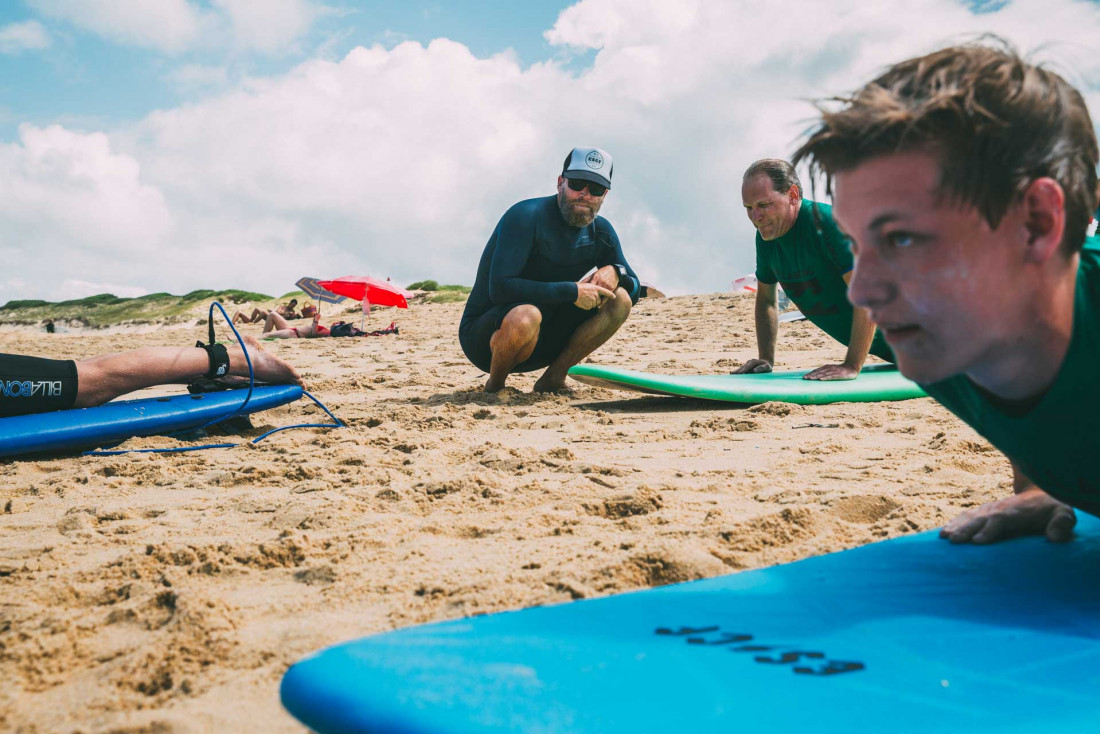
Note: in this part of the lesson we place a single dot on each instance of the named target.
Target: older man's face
(578, 208)
(772, 212)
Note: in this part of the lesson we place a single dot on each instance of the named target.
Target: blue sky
(181, 144)
(88, 80)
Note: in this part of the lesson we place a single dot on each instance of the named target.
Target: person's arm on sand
(767, 329)
(859, 345)
(1029, 511)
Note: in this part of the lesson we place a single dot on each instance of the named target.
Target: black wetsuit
(534, 257)
(35, 385)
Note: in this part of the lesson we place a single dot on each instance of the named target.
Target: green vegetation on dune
(441, 293)
(106, 309)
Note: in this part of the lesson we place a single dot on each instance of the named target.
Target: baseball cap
(589, 164)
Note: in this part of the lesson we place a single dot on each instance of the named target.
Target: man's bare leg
(104, 378)
(512, 343)
(588, 337)
(275, 321)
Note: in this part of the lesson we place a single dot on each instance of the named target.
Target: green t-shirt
(810, 265)
(1055, 440)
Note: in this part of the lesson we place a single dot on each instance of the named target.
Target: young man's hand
(1033, 512)
(753, 366)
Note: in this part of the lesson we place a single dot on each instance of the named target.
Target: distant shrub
(424, 285)
(12, 305)
(234, 296)
(103, 299)
(456, 288)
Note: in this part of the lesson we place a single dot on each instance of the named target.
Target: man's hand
(832, 372)
(606, 277)
(1033, 512)
(753, 366)
(590, 296)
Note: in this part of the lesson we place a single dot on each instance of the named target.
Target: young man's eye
(900, 239)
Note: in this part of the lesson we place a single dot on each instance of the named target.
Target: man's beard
(577, 216)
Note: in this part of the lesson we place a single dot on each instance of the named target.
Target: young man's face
(772, 212)
(940, 283)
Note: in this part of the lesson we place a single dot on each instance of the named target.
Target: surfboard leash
(336, 422)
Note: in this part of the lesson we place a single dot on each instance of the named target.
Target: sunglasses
(579, 184)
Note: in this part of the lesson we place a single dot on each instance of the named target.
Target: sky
(183, 144)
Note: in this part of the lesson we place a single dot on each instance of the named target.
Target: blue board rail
(69, 430)
(904, 636)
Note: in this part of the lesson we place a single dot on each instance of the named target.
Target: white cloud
(175, 26)
(400, 162)
(268, 25)
(26, 36)
(72, 208)
(168, 25)
(72, 289)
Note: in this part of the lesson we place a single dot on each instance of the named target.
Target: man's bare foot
(492, 385)
(1033, 512)
(265, 365)
(550, 383)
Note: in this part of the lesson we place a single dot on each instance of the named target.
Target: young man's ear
(1044, 204)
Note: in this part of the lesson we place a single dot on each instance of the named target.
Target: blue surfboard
(67, 430)
(907, 635)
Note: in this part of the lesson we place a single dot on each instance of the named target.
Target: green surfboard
(876, 383)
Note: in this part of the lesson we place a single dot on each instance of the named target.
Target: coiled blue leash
(337, 423)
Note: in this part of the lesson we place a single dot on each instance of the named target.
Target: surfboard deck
(68, 430)
(876, 382)
(907, 635)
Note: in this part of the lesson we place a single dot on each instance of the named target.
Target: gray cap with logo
(589, 164)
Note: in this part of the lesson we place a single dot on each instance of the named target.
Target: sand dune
(168, 593)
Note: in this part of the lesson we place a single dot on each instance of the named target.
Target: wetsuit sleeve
(515, 241)
(764, 271)
(833, 242)
(611, 253)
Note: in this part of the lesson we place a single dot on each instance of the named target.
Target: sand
(168, 593)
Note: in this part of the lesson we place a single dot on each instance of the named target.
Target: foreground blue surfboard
(907, 635)
(68, 430)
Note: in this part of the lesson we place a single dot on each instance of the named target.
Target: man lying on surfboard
(966, 179)
(37, 385)
(532, 305)
(799, 247)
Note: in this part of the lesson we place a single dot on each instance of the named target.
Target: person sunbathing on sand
(258, 314)
(276, 327)
(38, 385)
(965, 180)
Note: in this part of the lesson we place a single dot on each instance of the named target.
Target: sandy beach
(168, 593)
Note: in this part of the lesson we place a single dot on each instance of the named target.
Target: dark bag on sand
(342, 329)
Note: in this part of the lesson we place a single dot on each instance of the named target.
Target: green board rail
(878, 382)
